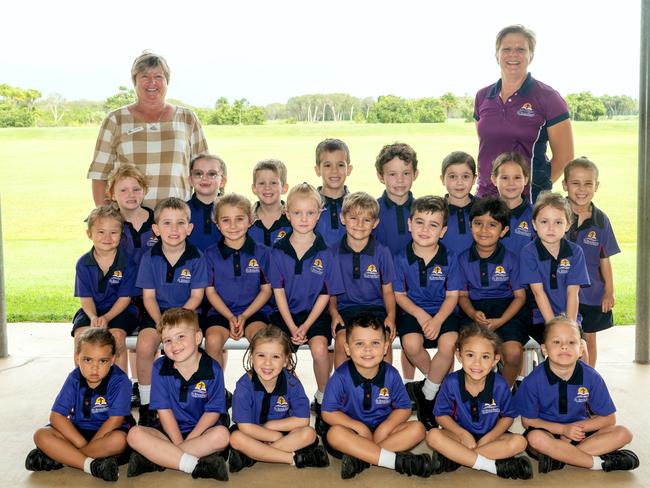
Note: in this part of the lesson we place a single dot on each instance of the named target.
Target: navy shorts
(347, 314)
(219, 320)
(321, 327)
(125, 321)
(593, 318)
(407, 324)
(536, 331)
(146, 322)
(514, 330)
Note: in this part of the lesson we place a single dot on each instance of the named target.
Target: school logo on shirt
(200, 390)
(317, 266)
(490, 408)
(591, 239)
(100, 405)
(384, 397)
(281, 404)
(436, 274)
(582, 395)
(523, 229)
(526, 110)
(564, 266)
(185, 276)
(153, 240)
(116, 278)
(500, 274)
(371, 272)
(280, 235)
(253, 266)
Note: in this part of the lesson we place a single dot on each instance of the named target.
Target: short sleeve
(275, 273)
(127, 284)
(332, 398)
(333, 276)
(444, 405)
(298, 402)
(387, 267)
(159, 395)
(66, 399)
(526, 402)
(506, 402)
(263, 254)
(145, 279)
(217, 392)
(105, 152)
(243, 404)
(515, 275)
(600, 402)
(556, 109)
(399, 395)
(609, 245)
(399, 283)
(455, 275)
(578, 274)
(82, 284)
(119, 396)
(199, 274)
(529, 266)
(197, 139)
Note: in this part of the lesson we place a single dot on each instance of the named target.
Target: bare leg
(280, 451)
(215, 337)
(590, 339)
(408, 369)
(513, 358)
(339, 350)
(413, 345)
(320, 356)
(146, 349)
(252, 329)
(121, 358)
(444, 357)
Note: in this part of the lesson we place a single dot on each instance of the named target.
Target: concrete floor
(40, 358)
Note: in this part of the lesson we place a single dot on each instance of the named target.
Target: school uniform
(329, 224)
(392, 230)
(459, 234)
(137, 242)
(173, 284)
(269, 236)
(491, 283)
(106, 289)
(303, 281)
(537, 265)
(252, 404)
(236, 275)
(205, 232)
(476, 414)
(188, 399)
(363, 275)
(89, 408)
(520, 231)
(597, 240)
(426, 285)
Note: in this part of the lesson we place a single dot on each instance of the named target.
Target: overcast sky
(268, 51)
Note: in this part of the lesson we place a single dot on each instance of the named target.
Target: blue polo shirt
(237, 274)
(105, 289)
(188, 399)
(268, 237)
(138, 242)
(521, 125)
(476, 414)
(363, 273)
(496, 276)
(329, 223)
(596, 239)
(88, 408)
(252, 404)
(426, 284)
(306, 278)
(393, 231)
(543, 395)
(459, 229)
(538, 266)
(521, 230)
(173, 284)
(369, 401)
(205, 232)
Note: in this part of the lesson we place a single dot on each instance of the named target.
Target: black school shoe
(423, 407)
(138, 464)
(105, 468)
(135, 395)
(147, 417)
(548, 464)
(211, 467)
(621, 460)
(312, 456)
(442, 464)
(413, 464)
(351, 466)
(37, 460)
(514, 468)
(237, 461)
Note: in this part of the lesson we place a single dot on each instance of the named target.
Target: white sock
(485, 464)
(408, 380)
(187, 463)
(145, 394)
(87, 465)
(598, 464)
(430, 389)
(318, 396)
(386, 459)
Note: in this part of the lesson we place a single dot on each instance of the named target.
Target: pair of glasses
(211, 175)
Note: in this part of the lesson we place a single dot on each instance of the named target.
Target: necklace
(156, 125)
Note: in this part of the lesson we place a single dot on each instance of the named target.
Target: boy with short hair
(188, 392)
(366, 269)
(426, 289)
(366, 408)
(87, 428)
(172, 274)
(333, 167)
(492, 295)
(269, 213)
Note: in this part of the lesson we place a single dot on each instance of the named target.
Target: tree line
(28, 108)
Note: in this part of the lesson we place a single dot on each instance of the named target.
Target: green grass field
(45, 195)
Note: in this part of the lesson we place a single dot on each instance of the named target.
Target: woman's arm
(560, 138)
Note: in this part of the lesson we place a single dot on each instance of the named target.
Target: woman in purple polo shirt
(521, 114)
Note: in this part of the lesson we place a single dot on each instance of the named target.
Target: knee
(214, 343)
(517, 443)
(307, 435)
(624, 435)
(411, 345)
(513, 355)
(134, 437)
(538, 440)
(235, 439)
(319, 351)
(219, 437)
(418, 429)
(117, 441)
(433, 437)
(40, 435)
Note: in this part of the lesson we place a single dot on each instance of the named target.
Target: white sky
(268, 51)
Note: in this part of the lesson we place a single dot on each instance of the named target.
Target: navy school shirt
(521, 230)
(479, 414)
(137, 242)
(268, 237)
(205, 232)
(237, 274)
(543, 395)
(173, 284)
(88, 408)
(369, 401)
(252, 404)
(538, 266)
(118, 282)
(363, 273)
(329, 224)
(459, 230)
(393, 231)
(596, 239)
(188, 399)
(426, 284)
(306, 278)
(496, 276)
